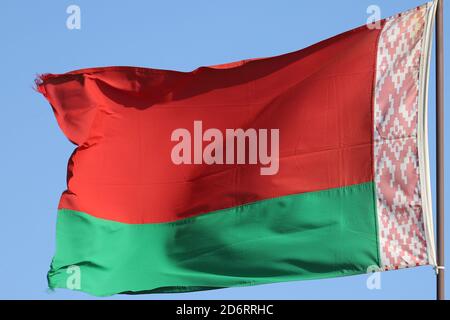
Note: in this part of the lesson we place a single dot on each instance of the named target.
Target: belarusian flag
(308, 165)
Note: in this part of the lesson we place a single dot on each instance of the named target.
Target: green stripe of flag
(306, 236)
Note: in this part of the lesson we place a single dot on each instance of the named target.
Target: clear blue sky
(179, 35)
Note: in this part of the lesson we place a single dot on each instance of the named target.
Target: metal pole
(440, 147)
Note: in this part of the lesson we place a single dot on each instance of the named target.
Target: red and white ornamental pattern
(402, 235)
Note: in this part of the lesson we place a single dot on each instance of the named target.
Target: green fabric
(314, 235)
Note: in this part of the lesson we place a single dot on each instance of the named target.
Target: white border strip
(422, 136)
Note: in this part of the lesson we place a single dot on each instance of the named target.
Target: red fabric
(320, 99)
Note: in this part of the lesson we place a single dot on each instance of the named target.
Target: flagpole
(440, 148)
